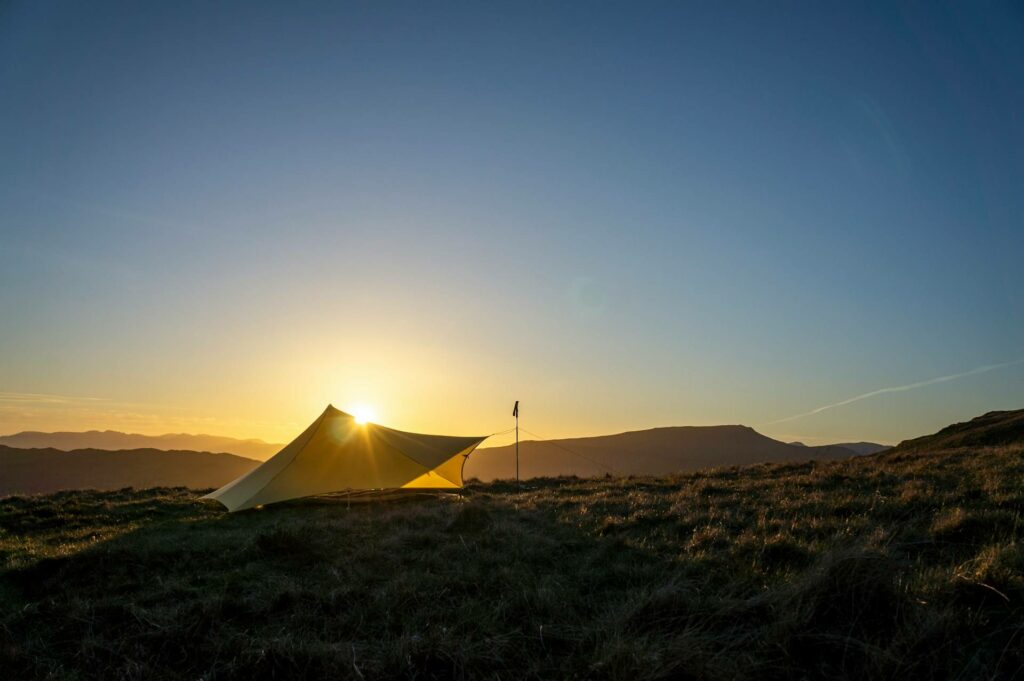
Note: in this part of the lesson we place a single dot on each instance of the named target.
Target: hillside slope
(658, 451)
(993, 429)
(868, 568)
(114, 440)
(35, 471)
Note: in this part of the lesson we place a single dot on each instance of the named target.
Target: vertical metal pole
(517, 443)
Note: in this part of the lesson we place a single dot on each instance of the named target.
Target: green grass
(890, 567)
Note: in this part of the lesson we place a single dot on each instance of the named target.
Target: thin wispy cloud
(46, 398)
(899, 389)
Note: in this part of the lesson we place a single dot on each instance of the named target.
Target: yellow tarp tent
(336, 454)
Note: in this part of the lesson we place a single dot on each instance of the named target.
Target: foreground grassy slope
(992, 429)
(892, 566)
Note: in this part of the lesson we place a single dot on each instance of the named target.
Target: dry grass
(899, 566)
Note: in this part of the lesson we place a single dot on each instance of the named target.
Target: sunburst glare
(364, 414)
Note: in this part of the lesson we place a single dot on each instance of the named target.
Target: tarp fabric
(336, 454)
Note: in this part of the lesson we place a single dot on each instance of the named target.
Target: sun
(363, 414)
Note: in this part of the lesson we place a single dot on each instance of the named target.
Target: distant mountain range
(36, 471)
(28, 469)
(115, 440)
(993, 429)
(859, 448)
(658, 451)
(34, 463)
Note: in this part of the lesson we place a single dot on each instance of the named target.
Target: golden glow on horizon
(364, 414)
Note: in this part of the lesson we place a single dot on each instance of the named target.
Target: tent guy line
(555, 443)
(337, 453)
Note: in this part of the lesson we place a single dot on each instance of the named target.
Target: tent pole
(515, 412)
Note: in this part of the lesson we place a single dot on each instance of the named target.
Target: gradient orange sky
(220, 217)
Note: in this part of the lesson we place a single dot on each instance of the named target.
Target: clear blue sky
(219, 216)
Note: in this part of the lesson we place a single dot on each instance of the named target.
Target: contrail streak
(900, 389)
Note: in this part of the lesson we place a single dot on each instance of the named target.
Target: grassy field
(888, 567)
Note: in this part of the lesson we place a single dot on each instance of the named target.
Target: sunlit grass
(906, 566)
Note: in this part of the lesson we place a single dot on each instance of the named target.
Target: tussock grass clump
(470, 518)
(852, 593)
(300, 545)
(972, 528)
(898, 566)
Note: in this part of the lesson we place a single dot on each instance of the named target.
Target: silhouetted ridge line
(36, 471)
(656, 451)
(112, 440)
